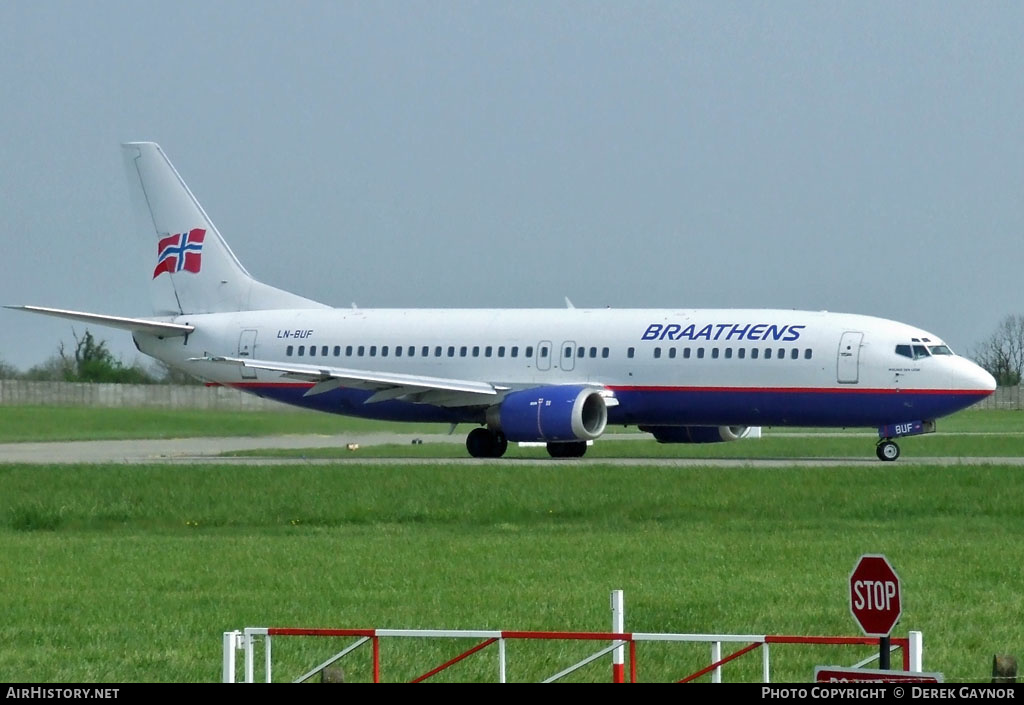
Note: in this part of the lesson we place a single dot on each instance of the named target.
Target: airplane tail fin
(194, 269)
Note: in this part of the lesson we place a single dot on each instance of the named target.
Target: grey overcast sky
(850, 156)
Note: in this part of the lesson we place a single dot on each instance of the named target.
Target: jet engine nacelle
(696, 434)
(555, 413)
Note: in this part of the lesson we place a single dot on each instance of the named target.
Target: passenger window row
(512, 351)
(727, 353)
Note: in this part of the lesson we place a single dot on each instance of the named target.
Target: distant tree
(8, 371)
(52, 370)
(1002, 354)
(92, 361)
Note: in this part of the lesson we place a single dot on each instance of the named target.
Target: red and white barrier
(248, 639)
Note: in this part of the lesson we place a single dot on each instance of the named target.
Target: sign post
(875, 600)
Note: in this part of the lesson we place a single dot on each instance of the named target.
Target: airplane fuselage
(665, 367)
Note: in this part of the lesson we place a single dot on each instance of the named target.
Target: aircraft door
(568, 358)
(247, 348)
(848, 365)
(544, 355)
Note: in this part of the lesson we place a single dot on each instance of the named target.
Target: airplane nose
(973, 377)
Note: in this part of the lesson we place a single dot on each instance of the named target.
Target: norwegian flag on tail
(181, 252)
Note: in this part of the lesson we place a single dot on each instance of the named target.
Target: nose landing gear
(887, 450)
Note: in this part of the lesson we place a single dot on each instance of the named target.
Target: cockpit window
(916, 352)
(940, 350)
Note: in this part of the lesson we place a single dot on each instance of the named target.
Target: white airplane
(556, 376)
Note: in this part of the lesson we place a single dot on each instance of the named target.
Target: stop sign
(875, 595)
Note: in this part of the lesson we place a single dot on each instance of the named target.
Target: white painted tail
(194, 270)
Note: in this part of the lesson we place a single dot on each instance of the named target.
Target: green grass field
(131, 573)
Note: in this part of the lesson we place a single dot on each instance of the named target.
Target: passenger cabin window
(714, 353)
(582, 352)
(794, 354)
(753, 353)
(302, 350)
(515, 351)
(604, 352)
(361, 351)
(462, 351)
(672, 353)
(631, 352)
(384, 351)
(741, 353)
(728, 353)
(501, 351)
(527, 353)
(568, 352)
(686, 353)
(657, 353)
(807, 354)
(451, 351)
(373, 351)
(767, 353)
(476, 351)
(323, 351)
(312, 351)
(337, 351)
(288, 351)
(488, 351)
(593, 352)
(543, 350)
(348, 351)
(398, 351)
(700, 353)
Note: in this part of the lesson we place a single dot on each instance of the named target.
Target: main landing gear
(484, 443)
(887, 450)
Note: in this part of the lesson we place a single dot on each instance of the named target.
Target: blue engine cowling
(696, 434)
(556, 413)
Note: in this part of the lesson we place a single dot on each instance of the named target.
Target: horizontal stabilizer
(141, 325)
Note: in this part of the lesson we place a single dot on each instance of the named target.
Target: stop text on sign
(874, 594)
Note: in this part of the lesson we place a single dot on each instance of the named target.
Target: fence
(246, 642)
(1008, 398)
(162, 396)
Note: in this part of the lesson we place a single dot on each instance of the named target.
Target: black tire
(887, 451)
(483, 443)
(479, 443)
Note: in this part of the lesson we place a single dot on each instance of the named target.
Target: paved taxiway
(207, 450)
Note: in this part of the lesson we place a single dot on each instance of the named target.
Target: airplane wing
(143, 325)
(441, 391)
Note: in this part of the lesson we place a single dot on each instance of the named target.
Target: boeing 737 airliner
(558, 376)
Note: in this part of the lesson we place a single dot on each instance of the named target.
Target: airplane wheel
(887, 450)
(482, 443)
(479, 443)
(567, 450)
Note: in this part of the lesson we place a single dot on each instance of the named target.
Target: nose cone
(969, 377)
